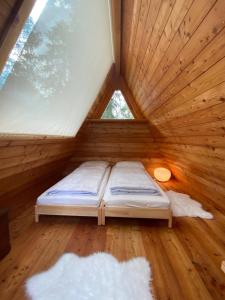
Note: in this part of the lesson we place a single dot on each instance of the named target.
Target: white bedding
(132, 180)
(78, 200)
(82, 181)
(135, 200)
(130, 164)
(94, 163)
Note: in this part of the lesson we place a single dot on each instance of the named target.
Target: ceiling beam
(13, 27)
(104, 95)
(10, 19)
(116, 15)
(134, 108)
(111, 83)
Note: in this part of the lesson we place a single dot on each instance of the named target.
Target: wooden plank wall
(173, 60)
(115, 140)
(6, 9)
(27, 160)
(13, 15)
(104, 95)
(111, 83)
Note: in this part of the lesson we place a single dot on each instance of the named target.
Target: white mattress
(78, 200)
(136, 200)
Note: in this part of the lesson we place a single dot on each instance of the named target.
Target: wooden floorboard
(185, 260)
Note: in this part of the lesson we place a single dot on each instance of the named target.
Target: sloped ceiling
(173, 60)
(111, 83)
(8, 11)
(69, 53)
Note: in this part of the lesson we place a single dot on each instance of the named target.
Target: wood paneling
(185, 261)
(174, 64)
(8, 9)
(26, 160)
(114, 140)
(14, 15)
(113, 82)
(116, 15)
(134, 108)
(4, 233)
(104, 95)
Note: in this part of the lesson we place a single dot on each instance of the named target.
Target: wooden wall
(6, 9)
(111, 83)
(115, 140)
(13, 15)
(104, 95)
(173, 59)
(27, 160)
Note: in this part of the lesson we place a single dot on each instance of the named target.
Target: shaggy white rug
(183, 206)
(96, 277)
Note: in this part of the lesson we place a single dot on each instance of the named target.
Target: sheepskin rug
(96, 277)
(183, 206)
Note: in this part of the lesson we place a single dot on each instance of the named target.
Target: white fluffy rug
(96, 277)
(183, 206)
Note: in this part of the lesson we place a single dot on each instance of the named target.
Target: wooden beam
(112, 83)
(10, 19)
(104, 95)
(13, 29)
(116, 31)
(134, 108)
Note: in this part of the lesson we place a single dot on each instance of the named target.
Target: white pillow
(93, 163)
(130, 164)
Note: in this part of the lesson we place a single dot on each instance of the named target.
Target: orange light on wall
(162, 174)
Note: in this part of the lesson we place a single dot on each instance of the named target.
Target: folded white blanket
(132, 181)
(83, 181)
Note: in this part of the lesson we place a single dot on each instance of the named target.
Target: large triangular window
(117, 108)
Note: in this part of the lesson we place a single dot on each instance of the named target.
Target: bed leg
(99, 216)
(103, 213)
(170, 220)
(36, 214)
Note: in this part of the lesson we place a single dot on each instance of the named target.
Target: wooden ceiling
(13, 14)
(168, 46)
(173, 60)
(8, 8)
(113, 82)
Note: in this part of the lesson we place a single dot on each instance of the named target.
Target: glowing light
(162, 174)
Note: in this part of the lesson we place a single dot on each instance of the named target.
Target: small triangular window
(117, 108)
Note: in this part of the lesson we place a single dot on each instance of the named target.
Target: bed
(132, 193)
(78, 194)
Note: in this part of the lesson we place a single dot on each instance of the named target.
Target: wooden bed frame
(102, 211)
(68, 210)
(135, 212)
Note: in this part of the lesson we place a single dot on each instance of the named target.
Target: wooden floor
(185, 260)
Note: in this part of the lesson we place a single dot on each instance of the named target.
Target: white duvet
(132, 180)
(83, 181)
(72, 199)
(135, 200)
